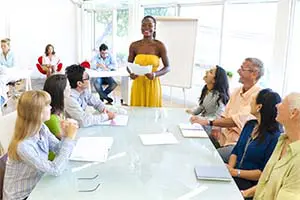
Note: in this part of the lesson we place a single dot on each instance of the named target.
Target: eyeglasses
(246, 70)
(87, 78)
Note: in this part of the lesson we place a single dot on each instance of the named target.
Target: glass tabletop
(135, 171)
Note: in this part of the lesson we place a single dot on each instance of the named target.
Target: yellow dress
(145, 92)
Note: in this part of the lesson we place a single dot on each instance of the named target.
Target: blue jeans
(98, 82)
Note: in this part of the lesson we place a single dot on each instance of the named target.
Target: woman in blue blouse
(257, 141)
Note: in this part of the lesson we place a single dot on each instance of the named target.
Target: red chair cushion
(85, 64)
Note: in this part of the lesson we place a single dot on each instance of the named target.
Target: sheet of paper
(119, 120)
(92, 149)
(194, 133)
(190, 126)
(154, 139)
(140, 70)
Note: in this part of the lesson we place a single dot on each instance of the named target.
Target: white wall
(35, 23)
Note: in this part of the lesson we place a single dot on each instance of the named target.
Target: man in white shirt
(80, 98)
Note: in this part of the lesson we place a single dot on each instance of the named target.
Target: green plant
(229, 74)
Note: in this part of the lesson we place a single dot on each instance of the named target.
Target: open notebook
(218, 173)
(92, 149)
(192, 130)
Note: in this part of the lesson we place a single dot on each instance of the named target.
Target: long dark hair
(154, 20)
(55, 85)
(221, 85)
(268, 112)
(47, 47)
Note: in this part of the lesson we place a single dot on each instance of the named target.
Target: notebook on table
(192, 131)
(216, 173)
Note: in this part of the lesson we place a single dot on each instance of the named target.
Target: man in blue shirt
(104, 62)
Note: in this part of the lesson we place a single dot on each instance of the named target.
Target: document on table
(140, 70)
(154, 139)
(119, 120)
(216, 173)
(93, 149)
(192, 130)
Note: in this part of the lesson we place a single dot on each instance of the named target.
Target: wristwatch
(211, 122)
(238, 173)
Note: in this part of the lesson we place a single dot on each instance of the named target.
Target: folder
(216, 173)
(192, 131)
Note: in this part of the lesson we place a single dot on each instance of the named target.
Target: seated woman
(7, 60)
(257, 141)
(214, 95)
(30, 146)
(50, 60)
(58, 87)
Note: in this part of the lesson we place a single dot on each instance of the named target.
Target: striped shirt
(22, 175)
(76, 104)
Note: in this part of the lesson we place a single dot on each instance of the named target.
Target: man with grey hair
(281, 176)
(237, 111)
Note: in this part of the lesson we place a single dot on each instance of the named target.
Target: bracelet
(154, 75)
(238, 173)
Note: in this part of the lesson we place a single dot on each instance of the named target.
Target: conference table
(138, 172)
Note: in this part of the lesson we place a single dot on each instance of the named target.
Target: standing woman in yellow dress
(146, 90)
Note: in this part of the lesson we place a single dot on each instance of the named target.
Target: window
(293, 69)
(248, 32)
(103, 28)
(122, 39)
(209, 27)
(160, 11)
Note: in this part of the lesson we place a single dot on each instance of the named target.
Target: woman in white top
(6, 61)
(50, 60)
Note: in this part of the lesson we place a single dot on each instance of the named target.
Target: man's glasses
(246, 70)
(87, 78)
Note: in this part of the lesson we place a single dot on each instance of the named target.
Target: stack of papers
(217, 173)
(154, 139)
(92, 149)
(140, 70)
(192, 131)
(119, 120)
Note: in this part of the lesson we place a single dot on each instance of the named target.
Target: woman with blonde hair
(30, 146)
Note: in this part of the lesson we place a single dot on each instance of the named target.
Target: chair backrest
(40, 60)
(7, 127)
(3, 160)
(85, 64)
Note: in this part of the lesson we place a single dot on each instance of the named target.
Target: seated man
(104, 62)
(281, 176)
(237, 111)
(80, 98)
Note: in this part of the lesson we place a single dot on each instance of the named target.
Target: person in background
(80, 98)
(146, 89)
(280, 179)
(104, 62)
(50, 60)
(237, 111)
(29, 148)
(214, 95)
(257, 141)
(7, 61)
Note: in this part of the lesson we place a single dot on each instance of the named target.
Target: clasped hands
(198, 120)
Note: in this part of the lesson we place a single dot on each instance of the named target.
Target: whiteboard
(179, 36)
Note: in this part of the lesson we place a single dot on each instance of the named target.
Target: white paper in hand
(140, 70)
(92, 149)
(162, 138)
